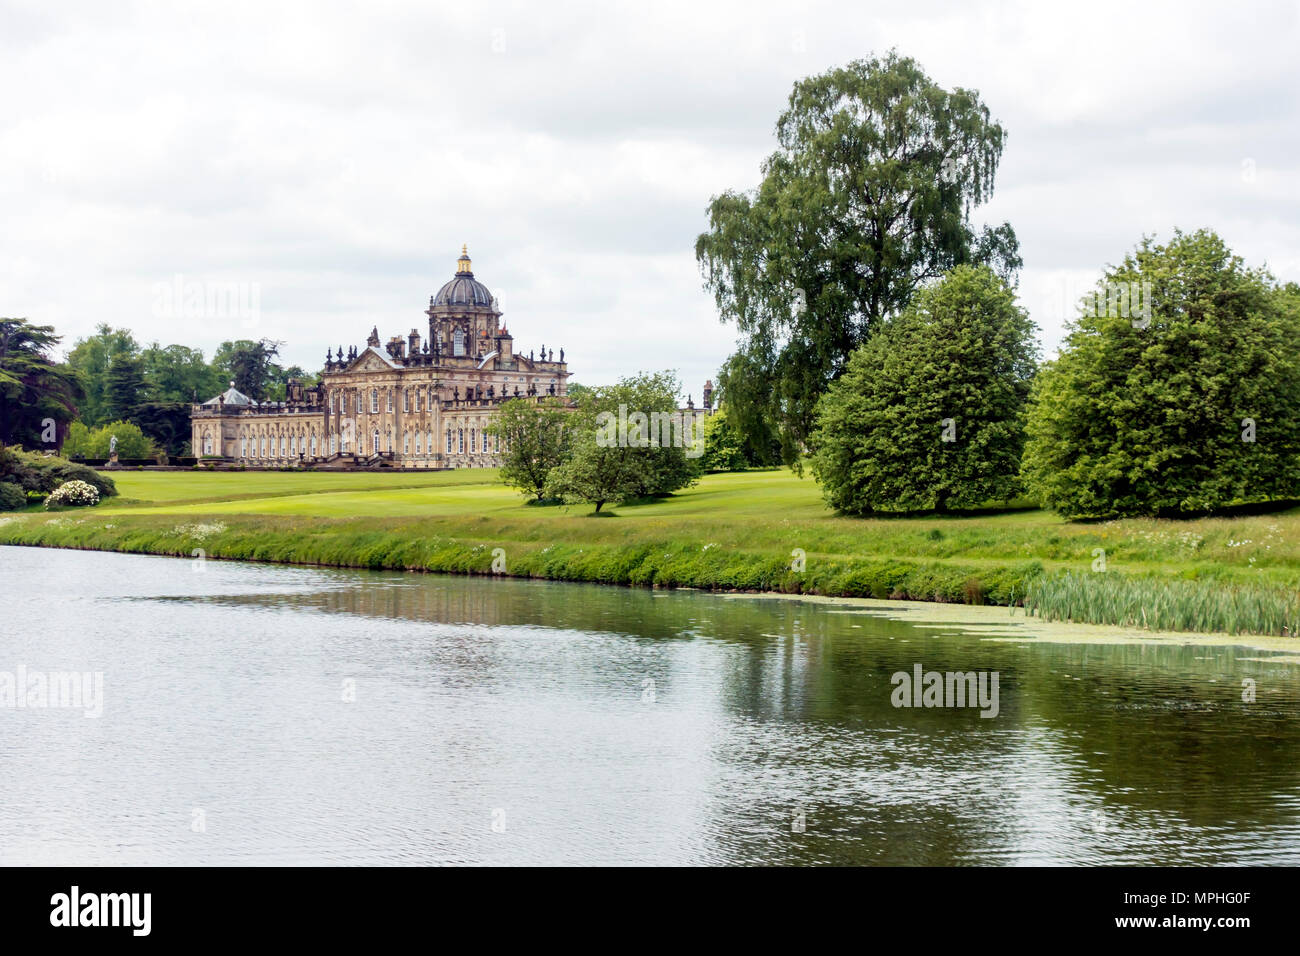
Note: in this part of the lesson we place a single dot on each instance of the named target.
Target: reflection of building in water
(416, 402)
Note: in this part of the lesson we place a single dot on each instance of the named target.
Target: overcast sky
(331, 158)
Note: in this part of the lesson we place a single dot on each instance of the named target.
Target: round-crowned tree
(930, 412)
(1177, 389)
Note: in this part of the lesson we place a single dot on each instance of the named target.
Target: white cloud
(337, 155)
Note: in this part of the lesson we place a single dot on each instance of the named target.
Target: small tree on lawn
(626, 443)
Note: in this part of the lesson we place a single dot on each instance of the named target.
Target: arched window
(243, 446)
(458, 342)
(406, 399)
(472, 447)
(207, 443)
(313, 444)
(430, 440)
(331, 403)
(406, 443)
(333, 439)
(390, 399)
(460, 440)
(449, 440)
(417, 443)
(283, 446)
(374, 401)
(374, 442)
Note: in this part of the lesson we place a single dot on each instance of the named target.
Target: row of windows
(291, 446)
(479, 442)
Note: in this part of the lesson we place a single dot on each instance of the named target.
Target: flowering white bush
(73, 494)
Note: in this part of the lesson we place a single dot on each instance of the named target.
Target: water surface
(262, 714)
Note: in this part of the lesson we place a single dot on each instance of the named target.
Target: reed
(1165, 604)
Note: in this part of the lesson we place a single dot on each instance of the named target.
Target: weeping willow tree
(868, 197)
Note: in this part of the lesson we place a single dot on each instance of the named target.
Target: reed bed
(1165, 605)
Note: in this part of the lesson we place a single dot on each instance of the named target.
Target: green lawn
(731, 531)
(760, 510)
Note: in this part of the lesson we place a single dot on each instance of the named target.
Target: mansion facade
(415, 402)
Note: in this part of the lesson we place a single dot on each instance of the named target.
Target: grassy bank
(739, 531)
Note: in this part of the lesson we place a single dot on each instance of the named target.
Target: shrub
(43, 473)
(68, 471)
(12, 496)
(73, 494)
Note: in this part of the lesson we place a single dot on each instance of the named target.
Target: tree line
(109, 382)
(881, 344)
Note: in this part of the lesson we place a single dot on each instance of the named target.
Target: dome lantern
(463, 291)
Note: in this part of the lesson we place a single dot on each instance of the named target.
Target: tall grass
(1166, 605)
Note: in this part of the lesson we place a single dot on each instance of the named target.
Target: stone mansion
(416, 402)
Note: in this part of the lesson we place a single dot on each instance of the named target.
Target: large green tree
(38, 396)
(930, 414)
(867, 197)
(534, 441)
(1177, 390)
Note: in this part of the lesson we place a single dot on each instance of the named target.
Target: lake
(258, 714)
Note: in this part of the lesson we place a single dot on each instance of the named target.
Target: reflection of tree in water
(793, 703)
(1164, 728)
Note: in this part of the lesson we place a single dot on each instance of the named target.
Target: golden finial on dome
(463, 264)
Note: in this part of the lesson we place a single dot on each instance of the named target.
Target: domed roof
(463, 289)
(231, 396)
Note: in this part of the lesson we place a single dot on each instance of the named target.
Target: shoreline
(994, 621)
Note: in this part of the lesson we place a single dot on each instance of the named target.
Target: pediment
(371, 361)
